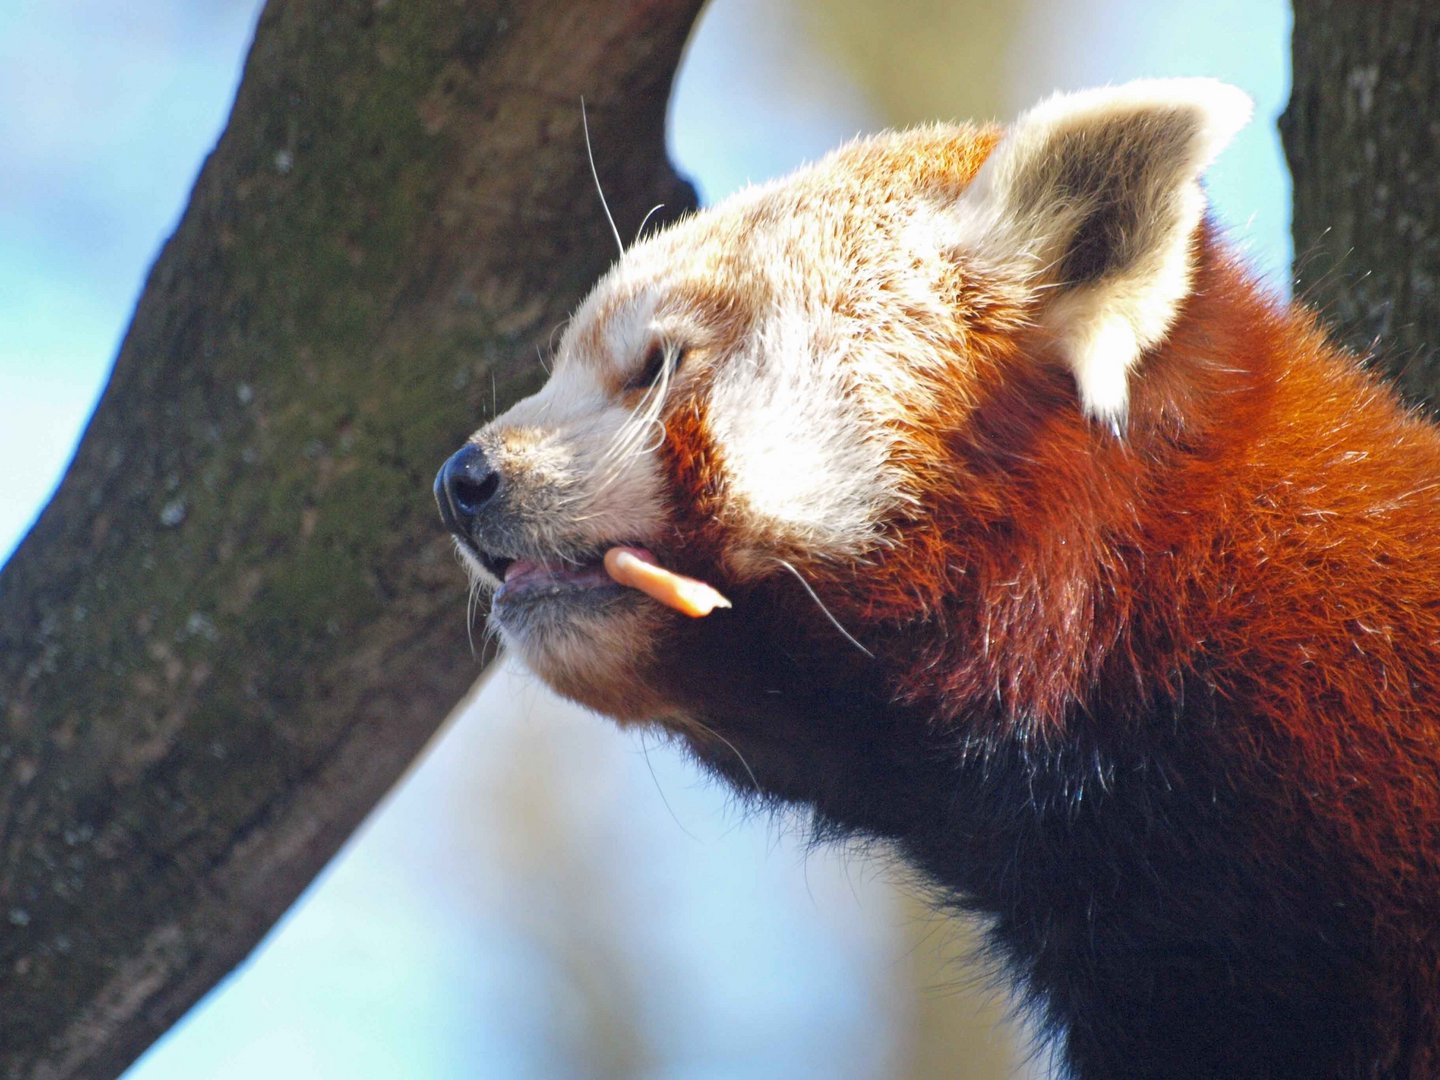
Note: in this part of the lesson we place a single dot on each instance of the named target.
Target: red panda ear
(1094, 197)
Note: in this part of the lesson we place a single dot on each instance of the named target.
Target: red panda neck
(1061, 561)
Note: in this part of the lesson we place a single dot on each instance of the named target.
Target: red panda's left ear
(1093, 198)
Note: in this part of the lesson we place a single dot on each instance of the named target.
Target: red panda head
(772, 388)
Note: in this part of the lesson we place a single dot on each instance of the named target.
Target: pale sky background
(420, 952)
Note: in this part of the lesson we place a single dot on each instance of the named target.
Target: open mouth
(527, 579)
(621, 569)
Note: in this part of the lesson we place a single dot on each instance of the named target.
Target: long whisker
(646, 220)
(826, 611)
(738, 756)
(642, 433)
(648, 409)
(590, 153)
(491, 634)
(470, 606)
(645, 752)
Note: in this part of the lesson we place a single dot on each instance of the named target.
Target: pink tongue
(522, 568)
(531, 571)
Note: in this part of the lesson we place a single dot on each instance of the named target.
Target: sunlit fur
(1062, 557)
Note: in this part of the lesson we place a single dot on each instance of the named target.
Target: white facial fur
(793, 401)
(577, 455)
(815, 315)
(808, 469)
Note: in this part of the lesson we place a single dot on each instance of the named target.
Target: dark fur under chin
(1158, 913)
(1145, 920)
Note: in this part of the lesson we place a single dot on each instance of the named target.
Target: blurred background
(543, 896)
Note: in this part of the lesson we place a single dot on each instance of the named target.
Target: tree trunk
(1362, 135)
(238, 620)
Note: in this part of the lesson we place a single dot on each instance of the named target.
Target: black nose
(463, 486)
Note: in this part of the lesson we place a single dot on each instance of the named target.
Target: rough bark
(238, 621)
(1362, 135)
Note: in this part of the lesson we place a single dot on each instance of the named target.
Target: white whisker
(738, 756)
(645, 752)
(590, 153)
(472, 605)
(643, 432)
(646, 220)
(826, 611)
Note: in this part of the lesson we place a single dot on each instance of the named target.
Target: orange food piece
(636, 569)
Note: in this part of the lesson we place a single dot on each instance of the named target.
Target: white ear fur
(1094, 197)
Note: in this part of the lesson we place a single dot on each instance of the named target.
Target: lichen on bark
(238, 621)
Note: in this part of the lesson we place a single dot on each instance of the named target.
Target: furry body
(1144, 574)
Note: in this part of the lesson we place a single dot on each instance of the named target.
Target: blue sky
(106, 111)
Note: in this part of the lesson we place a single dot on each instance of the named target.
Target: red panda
(1060, 556)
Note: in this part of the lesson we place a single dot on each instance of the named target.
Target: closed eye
(656, 360)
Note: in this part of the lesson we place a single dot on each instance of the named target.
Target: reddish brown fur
(1164, 705)
(1269, 526)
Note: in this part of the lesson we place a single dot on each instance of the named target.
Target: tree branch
(1363, 144)
(237, 621)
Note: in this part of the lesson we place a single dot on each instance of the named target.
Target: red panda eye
(654, 366)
